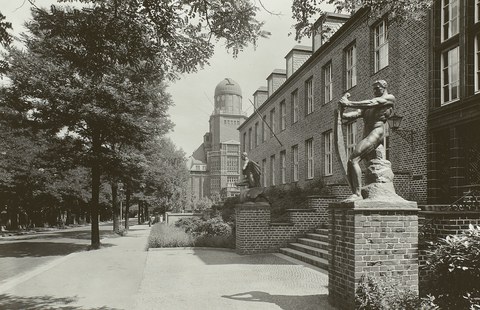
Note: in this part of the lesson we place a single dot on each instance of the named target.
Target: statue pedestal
(374, 238)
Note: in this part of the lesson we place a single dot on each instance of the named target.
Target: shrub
(199, 227)
(384, 294)
(454, 270)
(163, 235)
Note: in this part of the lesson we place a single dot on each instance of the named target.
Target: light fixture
(394, 123)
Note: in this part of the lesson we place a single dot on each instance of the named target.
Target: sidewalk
(125, 276)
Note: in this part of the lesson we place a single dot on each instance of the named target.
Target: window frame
(283, 167)
(272, 122)
(272, 170)
(309, 100)
(295, 111)
(295, 170)
(380, 48)
(447, 25)
(351, 137)
(351, 66)
(449, 84)
(310, 159)
(328, 153)
(283, 115)
(327, 82)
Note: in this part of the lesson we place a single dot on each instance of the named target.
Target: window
(264, 126)
(450, 75)
(351, 137)
(257, 135)
(272, 170)
(450, 20)
(309, 96)
(477, 10)
(272, 122)
(283, 167)
(283, 115)
(327, 83)
(381, 45)
(231, 181)
(264, 172)
(295, 163)
(295, 106)
(310, 162)
(328, 160)
(244, 146)
(477, 63)
(250, 140)
(232, 164)
(351, 66)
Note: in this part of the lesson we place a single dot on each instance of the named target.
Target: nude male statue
(251, 172)
(375, 113)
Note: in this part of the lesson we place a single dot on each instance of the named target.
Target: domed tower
(228, 97)
(222, 143)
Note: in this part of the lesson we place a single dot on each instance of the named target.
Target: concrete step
(307, 258)
(310, 250)
(322, 231)
(314, 243)
(316, 236)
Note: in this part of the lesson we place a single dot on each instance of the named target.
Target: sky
(192, 94)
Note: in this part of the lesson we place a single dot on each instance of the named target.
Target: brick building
(299, 108)
(454, 108)
(220, 150)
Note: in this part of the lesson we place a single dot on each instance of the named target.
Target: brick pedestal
(372, 238)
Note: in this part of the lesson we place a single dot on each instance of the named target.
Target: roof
(228, 87)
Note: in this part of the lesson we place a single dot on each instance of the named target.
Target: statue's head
(379, 87)
(244, 155)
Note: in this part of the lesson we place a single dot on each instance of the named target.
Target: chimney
(325, 27)
(260, 96)
(275, 79)
(296, 57)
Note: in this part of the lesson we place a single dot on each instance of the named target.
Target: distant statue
(251, 173)
(375, 113)
(251, 178)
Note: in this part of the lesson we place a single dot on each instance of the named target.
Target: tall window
(450, 20)
(264, 172)
(232, 164)
(250, 140)
(295, 163)
(244, 146)
(283, 167)
(351, 137)
(310, 162)
(351, 66)
(328, 160)
(283, 115)
(450, 75)
(257, 135)
(265, 128)
(309, 96)
(295, 106)
(477, 62)
(272, 122)
(327, 83)
(381, 45)
(272, 170)
(477, 10)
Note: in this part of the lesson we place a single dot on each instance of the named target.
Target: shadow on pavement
(285, 302)
(41, 303)
(39, 249)
(227, 257)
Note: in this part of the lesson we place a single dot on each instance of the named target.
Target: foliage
(383, 294)
(198, 227)
(454, 270)
(163, 236)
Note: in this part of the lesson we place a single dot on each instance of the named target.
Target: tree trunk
(139, 215)
(115, 207)
(128, 194)
(96, 148)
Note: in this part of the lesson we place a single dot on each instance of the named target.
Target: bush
(200, 227)
(163, 236)
(454, 270)
(384, 294)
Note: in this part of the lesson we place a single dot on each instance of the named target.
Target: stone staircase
(313, 248)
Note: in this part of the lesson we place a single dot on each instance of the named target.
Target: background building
(300, 105)
(220, 150)
(454, 105)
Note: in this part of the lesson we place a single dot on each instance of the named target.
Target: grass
(168, 236)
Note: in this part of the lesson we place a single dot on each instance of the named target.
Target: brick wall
(374, 242)
(255, 232)
(406, 74)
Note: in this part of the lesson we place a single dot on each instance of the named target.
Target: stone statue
(375, 113)
(251, 178)
(251, 173)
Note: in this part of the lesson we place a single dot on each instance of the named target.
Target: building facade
(294, 139)
(220, 150)
(454, 105)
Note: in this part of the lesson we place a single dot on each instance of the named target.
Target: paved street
(122, 275)
(21, 254)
